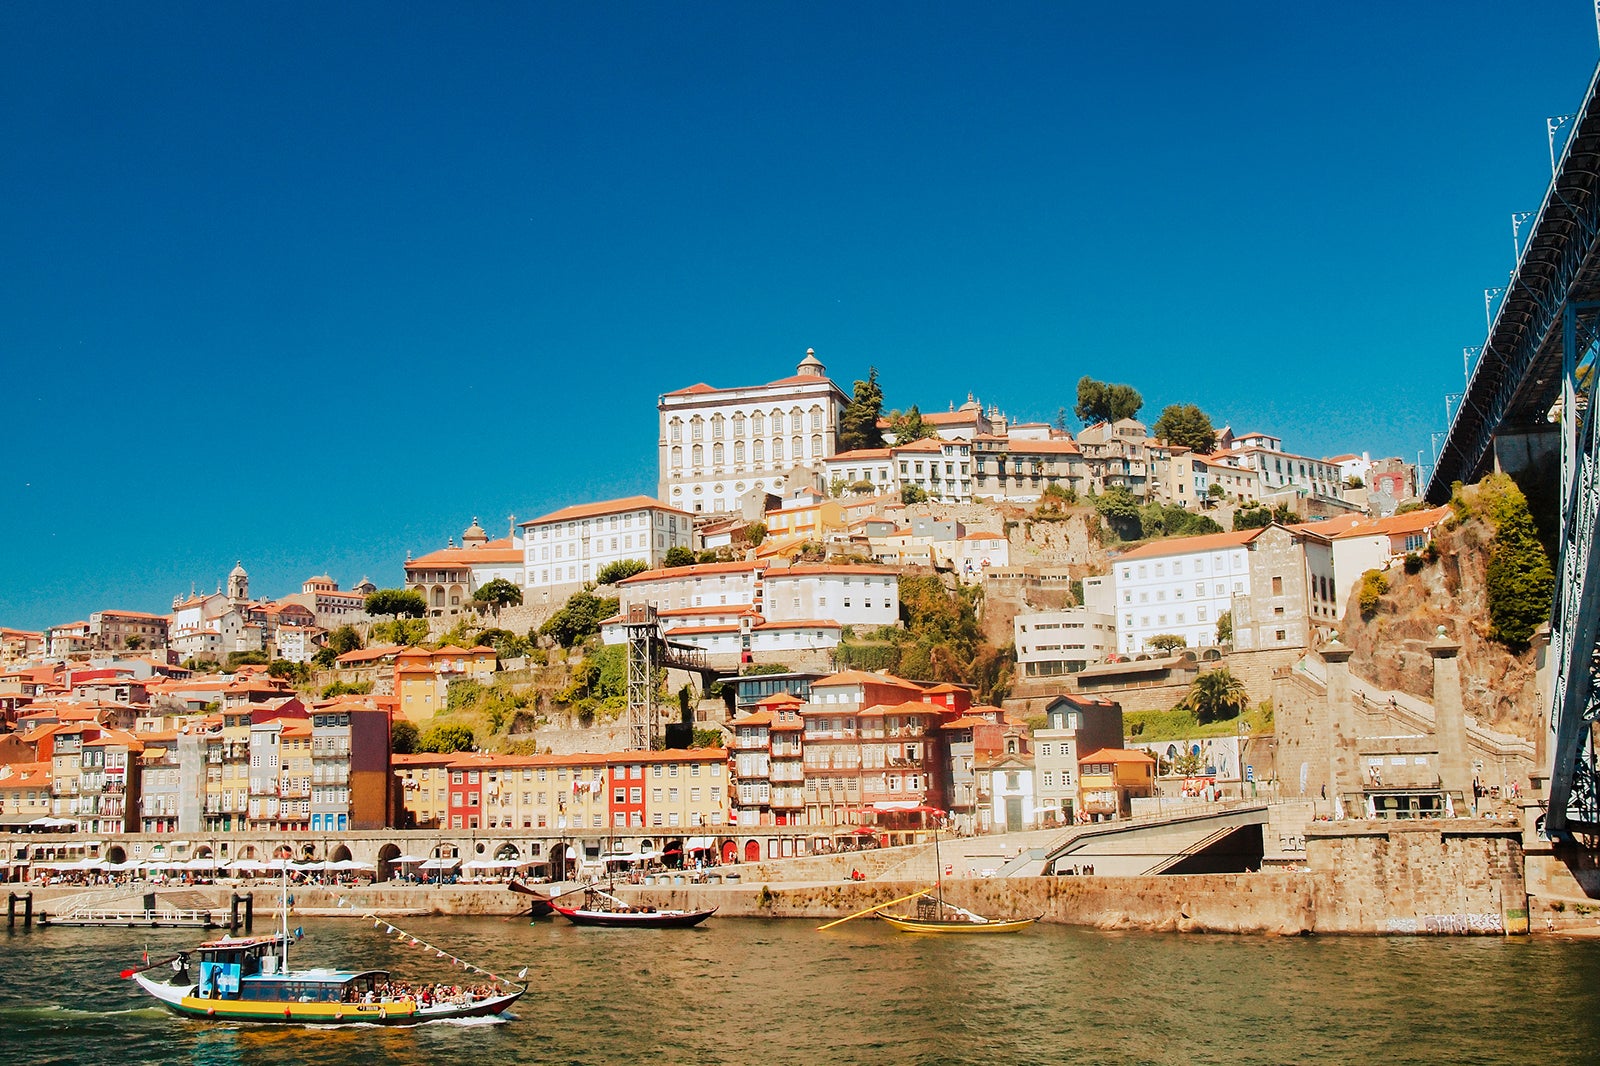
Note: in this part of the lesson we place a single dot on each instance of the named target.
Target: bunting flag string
(410, 939)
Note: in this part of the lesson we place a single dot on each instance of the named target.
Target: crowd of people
(424, 995)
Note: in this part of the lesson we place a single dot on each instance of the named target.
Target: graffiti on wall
(1449, 925)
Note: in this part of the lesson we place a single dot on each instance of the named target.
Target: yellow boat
(936, 916)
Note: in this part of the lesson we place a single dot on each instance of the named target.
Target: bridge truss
(649, 652)
(1535, 374)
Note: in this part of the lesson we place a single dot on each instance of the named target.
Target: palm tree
(1217, 695)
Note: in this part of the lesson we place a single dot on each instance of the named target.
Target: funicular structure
(648, 653)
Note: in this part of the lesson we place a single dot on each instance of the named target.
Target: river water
(747, 991)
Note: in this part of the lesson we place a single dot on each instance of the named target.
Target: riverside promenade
(1456, 876)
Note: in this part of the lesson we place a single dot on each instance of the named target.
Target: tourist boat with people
(248, 979)
(602, 908)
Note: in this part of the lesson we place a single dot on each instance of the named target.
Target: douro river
(746, 991)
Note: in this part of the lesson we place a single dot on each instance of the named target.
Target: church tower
(238, 584)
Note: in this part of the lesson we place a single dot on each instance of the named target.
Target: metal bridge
(1529, 405)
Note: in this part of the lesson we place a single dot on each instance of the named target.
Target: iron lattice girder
(1575, 610)
(1517, 377)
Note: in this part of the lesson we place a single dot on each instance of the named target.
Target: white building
(718, 445)
(1180, 586)
(846, 594)
(1279, 471)
(941, 468)
(1054, 643)
(566, 548)
(873, 467)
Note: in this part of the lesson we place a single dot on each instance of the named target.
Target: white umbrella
(441, 864)
(408, 858)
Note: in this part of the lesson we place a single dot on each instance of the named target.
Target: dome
(811, 365)
(238, 569)
(474, 534)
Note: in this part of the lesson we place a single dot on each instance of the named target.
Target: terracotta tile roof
(754, 718)
(1190, 545)
(1115, 755)
(694, 390)
(697, 570)
(814, 569)
(926, 444)
(495, 552)
(857, 456)
(607, 507)
(1044, 447)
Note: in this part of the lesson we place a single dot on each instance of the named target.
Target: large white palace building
(718, 446)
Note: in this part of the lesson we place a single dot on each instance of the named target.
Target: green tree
(133, 643)
(1187, 425)
(403, 737)
(620, 570)
(1167, 642)
(396, 603)
(409, 631)
(677, 556)
(294, 673)
(1100, 402)
(1121, 511)
(1225, 628)
(755, 533)
(1373, 585)
(579, 618)
(346, 688)
(1217, 695)
(506, 644)
(858, 422)
(447, 737)
(498, 594)
(1520, 581)
(913, 494)
(344, 639)
(908, 426)
(237, 659)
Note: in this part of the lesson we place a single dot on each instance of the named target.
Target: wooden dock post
(249, 912)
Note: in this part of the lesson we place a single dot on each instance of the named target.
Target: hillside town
(774, 557)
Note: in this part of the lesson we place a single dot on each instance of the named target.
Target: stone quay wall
(1425, 876)
(1449, 877)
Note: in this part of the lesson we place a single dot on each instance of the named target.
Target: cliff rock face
(1499, 688)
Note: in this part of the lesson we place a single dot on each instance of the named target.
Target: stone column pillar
(1450, 721)
(1344, 769)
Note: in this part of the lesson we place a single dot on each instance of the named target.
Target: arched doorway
(308, 851)
(672, 854)
(730, 852)
(340, 854)
(752, 851)
(115, 854)
(560, 862)
(386, 861)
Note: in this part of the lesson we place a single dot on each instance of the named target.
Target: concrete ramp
(1225, 841)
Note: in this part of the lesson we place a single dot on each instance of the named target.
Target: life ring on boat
(286, 1013)
(211, 1012)
(338, 1015)
(382, 1014)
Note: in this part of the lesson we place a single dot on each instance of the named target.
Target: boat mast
(283, 907)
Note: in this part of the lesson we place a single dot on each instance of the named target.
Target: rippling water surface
(741, 991)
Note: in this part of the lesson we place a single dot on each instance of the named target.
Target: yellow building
(24, 792)
(684, 789)
(423, 675)
(805, 516)
(424, 780)
(1109, 779)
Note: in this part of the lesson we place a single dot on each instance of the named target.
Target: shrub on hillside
(1373, 585)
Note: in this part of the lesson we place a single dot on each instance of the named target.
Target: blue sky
(310, 286)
